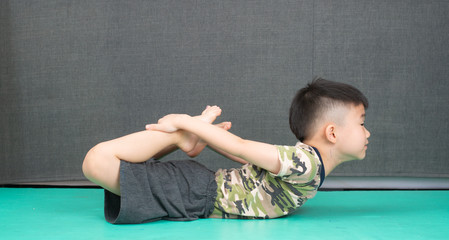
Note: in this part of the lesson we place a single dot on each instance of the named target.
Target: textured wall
(397, 52)
(74, 73)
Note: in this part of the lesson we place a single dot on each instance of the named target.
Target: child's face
(353, 137)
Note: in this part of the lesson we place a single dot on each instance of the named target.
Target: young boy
(326, 117)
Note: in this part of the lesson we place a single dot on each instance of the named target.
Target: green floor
(41, 213)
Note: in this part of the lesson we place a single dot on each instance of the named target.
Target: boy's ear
(330, 132)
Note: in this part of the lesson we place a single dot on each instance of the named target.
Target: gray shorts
(154, 190)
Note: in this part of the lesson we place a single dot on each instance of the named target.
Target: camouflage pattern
(251, 192)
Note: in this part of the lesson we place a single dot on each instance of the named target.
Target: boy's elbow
(241, 150)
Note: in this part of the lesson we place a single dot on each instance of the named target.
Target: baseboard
(383, 183)
(330, 184)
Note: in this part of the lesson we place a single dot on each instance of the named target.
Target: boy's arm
(258, 153)
(229, 156)
(173, 148)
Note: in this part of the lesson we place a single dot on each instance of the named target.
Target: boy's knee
(87, 165)
(90, 163)
(101, 167)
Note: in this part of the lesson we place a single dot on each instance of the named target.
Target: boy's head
(319, 102)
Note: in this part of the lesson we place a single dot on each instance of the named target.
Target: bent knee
(102, 167)
(88, 165)
(91, 162)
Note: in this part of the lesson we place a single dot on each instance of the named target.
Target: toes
(224, 125)
(212, 110)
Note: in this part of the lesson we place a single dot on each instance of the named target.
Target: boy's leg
(102, 163)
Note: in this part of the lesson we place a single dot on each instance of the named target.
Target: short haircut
(315, 100)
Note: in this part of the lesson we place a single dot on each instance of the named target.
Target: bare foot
(210, 114)
(199, 147)
(189, 141)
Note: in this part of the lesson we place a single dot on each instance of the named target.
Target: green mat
(41, 213)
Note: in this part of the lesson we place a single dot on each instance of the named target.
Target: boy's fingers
(161, 128)
(154, 127)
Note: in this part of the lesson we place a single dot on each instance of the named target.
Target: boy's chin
(362, 157)
(355, 157)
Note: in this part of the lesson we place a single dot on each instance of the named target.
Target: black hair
(318, 96)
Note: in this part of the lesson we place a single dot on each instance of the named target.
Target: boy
(326, 117)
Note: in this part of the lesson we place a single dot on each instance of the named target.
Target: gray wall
(74, 73)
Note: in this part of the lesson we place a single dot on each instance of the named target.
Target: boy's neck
(330, 161)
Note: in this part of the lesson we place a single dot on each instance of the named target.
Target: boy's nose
(368, 134)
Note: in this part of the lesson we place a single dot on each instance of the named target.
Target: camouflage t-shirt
(253, 192)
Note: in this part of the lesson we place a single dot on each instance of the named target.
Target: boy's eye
(363, 124)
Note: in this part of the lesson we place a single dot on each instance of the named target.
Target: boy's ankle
(185, 141)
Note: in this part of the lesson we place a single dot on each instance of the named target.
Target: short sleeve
(298, 165)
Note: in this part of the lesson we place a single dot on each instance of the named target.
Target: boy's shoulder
(300, 160)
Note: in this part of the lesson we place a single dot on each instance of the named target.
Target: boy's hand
(167, 124)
